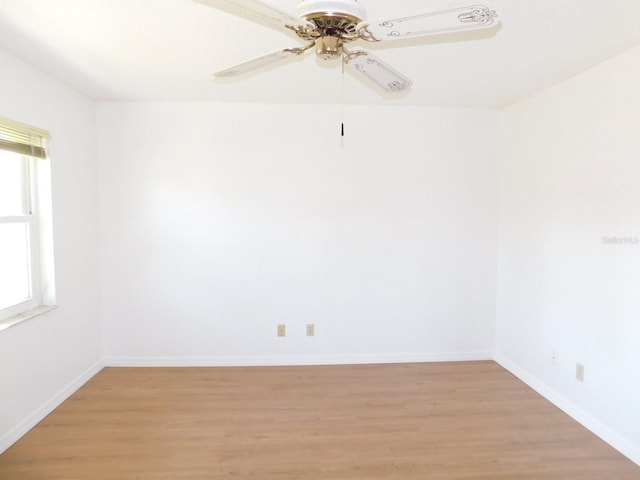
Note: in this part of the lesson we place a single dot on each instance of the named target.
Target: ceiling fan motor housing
(350, 8)
(335, 22)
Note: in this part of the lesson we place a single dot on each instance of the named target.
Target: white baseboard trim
(612, 438)
(294, 360)
(37, 416)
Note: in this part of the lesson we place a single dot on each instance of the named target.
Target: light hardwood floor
(413, 421)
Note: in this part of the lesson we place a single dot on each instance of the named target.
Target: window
(26, 253)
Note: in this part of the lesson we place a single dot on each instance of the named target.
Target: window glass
(14, 264)
(11, 184)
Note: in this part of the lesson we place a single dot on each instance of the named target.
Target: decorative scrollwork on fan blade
(479, 16)
(377, 71)
(432, 23)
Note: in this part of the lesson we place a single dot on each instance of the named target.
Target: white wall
(570, 176)
(44, 359)
(217, 222)
(220, 221)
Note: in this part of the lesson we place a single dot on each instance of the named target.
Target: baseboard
(261, 361)
(37, 416)
(612, 438)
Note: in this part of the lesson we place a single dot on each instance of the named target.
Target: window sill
(16, 319)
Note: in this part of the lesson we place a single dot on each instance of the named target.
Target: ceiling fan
(328, 25)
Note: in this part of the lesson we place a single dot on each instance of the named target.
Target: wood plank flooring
(411, 421)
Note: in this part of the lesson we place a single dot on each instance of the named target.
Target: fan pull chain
(342, 109)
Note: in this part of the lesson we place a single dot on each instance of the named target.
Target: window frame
(36, 210)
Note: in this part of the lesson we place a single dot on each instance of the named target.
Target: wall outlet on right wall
(580, 372)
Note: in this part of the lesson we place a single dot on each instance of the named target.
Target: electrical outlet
(580, 372)
(311, 330)
(554, 358)
(282, 330)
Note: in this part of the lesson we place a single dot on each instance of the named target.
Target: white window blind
(23, 139)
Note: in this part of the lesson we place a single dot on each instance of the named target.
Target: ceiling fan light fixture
(329, 48)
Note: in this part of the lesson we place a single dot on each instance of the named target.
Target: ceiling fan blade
(376, 70)
(262, 61)
(455, 20)
(260, 8)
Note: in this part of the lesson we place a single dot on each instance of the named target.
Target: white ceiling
(167, 50)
